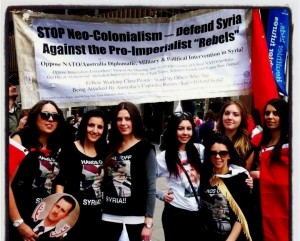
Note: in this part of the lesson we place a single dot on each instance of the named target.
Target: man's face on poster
(59, 211)
(192, 174)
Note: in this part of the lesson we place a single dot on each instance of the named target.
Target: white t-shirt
(182, 193)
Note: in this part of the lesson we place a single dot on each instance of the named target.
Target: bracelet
(18, 222)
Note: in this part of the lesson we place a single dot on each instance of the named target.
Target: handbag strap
(193, 189)
(234, 206)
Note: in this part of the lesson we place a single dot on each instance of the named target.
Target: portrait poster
(55, 215)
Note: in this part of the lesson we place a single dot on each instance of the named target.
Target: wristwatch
(148, 225)
(18, 222)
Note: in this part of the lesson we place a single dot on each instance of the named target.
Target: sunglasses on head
(222, 154)
(46, 116)
(180, 113)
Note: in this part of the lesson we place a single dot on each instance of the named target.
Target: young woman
(274, 174)
(42, 136)
(221, 171)
(233, 123)
(129, 183)
(82, 172)
(180, 216)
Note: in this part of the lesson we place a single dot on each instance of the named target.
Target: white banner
(103, 63)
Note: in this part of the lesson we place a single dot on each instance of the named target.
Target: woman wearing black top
(222, 171)
(82, 172)
(129, 183)
(33, 180)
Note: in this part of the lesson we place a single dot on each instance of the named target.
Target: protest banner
(78, 61)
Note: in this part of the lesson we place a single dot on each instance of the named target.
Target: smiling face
(47, 126)
(94, 129)
(271, 117)
(219, 158)
(232, 118)
(184, 132)
(124, 123)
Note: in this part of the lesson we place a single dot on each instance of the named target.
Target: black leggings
(180, 224)
(112, 231)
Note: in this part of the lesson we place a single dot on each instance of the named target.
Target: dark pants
(180, 224)
(112, 231)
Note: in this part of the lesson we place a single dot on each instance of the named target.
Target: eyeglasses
(46, 116)
(222, 154)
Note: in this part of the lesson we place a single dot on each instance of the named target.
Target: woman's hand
(22, 122)
(147, 231)
(249, 182)
(27, 233)
(169, 196)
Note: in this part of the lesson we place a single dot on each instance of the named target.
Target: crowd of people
(227, 187)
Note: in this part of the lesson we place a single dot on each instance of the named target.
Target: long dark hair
(171, 144)
(221, 139)
(31, 133)
(100, 145)
(115, 137)
(282, 109)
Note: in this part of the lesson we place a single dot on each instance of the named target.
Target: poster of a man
(55, 216)
(194, 177)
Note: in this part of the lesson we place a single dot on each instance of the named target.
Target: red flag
(275, 195)
(263, 82)
(16, 154)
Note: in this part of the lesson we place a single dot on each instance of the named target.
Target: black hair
(70, 118)
(171, 144)
(13, 79)
(221, 139)
(100, 144)
(115, 137)
(282, 109)
(31, 133)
